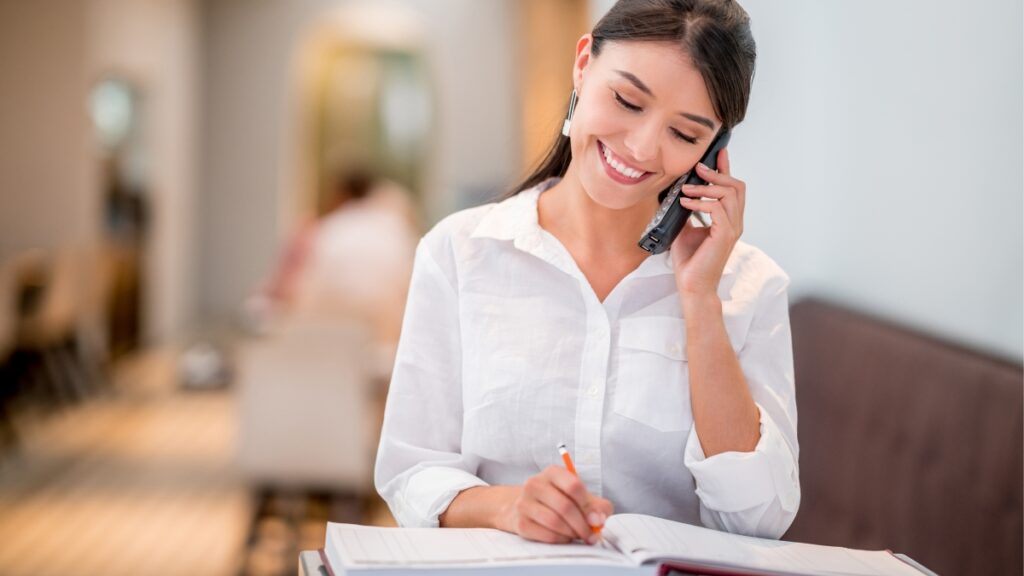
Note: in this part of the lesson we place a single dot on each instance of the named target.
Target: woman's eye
(627, 105)
(634, 108)
(684, 137)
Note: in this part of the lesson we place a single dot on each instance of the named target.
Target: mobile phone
(670, 218)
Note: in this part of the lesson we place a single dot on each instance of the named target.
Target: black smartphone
(670, 218)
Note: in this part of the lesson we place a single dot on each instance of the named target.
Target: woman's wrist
(697, 303)
(481, 507)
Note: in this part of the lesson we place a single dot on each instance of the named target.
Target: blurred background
(208, 210)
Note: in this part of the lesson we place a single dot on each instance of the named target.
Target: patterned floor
(141, 482)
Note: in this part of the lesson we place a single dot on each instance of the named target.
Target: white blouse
(506, 352)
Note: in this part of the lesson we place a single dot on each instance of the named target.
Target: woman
(538, 320)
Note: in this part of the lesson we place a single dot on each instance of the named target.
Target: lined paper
(646, 538)
(369, 546)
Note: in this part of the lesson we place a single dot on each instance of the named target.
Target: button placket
(590, 405)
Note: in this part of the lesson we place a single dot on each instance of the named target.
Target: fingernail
(595, 519)
(702, 166)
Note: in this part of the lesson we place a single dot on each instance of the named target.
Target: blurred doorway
(372, 114)
(550, 29)
(364, 102)
(116, 106)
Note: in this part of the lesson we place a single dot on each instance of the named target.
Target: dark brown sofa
(906, 443)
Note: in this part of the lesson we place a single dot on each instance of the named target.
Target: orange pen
(572, 468)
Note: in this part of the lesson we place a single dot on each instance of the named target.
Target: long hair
(714, 33)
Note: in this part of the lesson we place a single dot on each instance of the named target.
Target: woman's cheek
(602, 121)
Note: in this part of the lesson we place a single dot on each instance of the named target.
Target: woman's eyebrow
(643, 88)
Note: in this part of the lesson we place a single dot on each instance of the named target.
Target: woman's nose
(642, 142)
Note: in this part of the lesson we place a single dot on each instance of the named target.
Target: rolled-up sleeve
(757, 493)
(420, 468)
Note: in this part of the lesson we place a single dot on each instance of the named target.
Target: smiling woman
(649, 131)
(538, 321)
(710, 42)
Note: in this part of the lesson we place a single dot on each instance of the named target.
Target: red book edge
(665, 567)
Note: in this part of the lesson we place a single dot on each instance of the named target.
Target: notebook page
(357, 545)
(646, 538)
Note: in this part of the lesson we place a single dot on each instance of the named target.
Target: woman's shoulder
(455, 228)
(447, 241)
(753, 265)
(501, 219)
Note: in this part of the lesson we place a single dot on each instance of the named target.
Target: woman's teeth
(619, 167)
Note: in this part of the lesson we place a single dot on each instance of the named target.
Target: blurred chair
(52, 329)
(306, 416)
(8, 306)
(358, 267)
(907, 443)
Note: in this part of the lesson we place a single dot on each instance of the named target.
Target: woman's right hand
(555, 507)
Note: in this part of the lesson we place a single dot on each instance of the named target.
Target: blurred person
(360, 256)
(351, 263)
(283, 282)
(537, 320)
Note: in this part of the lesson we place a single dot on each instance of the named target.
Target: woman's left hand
(699, 254)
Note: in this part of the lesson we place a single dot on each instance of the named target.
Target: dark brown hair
(714, 33)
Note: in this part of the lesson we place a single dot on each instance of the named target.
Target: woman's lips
(615, 174)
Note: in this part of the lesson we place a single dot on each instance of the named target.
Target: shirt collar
(516, 219)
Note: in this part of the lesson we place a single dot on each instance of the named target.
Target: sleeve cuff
(735, 481)
(428, 493)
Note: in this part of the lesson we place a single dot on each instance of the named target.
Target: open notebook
(634, 544)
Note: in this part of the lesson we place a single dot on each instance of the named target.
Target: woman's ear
(582, 60)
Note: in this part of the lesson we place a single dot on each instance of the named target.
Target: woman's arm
(747, 478)
(742, 450)
(420, 464)
(479, 507)
(724, 412)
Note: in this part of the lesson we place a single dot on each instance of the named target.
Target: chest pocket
(652, 385)
(653, 380)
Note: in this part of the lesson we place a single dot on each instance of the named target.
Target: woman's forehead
(674, 52)
(664, 68)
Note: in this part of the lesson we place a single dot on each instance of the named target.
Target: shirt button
(677, 349)
(589, 457)
(592, 391)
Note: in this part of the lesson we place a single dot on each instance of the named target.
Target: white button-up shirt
(506, 352)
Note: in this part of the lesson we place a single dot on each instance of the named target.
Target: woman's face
(643, 119)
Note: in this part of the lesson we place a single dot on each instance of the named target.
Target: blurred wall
(552, 28)
(51, 54)
(48, 196)
(155, 44)
(883, 156)
(249, 203)
(883, 150)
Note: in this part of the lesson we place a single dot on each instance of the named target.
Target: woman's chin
(612, 196)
